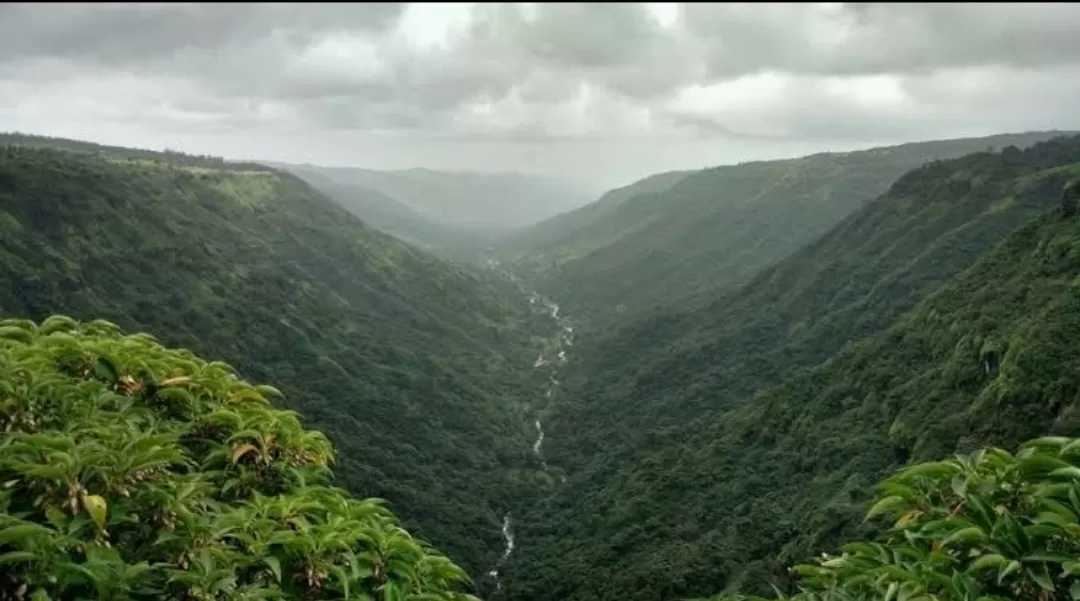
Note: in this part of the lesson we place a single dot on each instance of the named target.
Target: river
(561, 339)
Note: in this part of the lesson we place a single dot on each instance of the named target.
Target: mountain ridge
(412, 365)
(493, 202)
(715, 228)
(668, 453)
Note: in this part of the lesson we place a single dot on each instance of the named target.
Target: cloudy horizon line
(596, 92)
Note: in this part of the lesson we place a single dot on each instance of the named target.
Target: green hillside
(554, 238)
(412, 366)
(708, 449)
(717, 228)
(395, 218)
(483, 202)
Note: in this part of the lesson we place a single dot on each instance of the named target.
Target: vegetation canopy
(132, 471)
(981, 527)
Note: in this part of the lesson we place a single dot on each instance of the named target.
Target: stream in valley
(551, 358)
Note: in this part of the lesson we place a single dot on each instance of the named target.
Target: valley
(539, 302)
(662, 426)
(553, 355)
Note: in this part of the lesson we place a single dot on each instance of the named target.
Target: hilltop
(680, 239)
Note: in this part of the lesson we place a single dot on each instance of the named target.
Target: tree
(131, 471)
(981, 527)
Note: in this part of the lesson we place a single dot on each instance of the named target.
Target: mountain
(395, 218)
(487, 203)
(680, 239)
(709, 447)
(554, 238)
(414, 367)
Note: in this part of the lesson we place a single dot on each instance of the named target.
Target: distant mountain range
(679, 237)
(460, 199)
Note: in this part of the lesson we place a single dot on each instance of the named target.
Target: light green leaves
(193, 485)
(970, 529)
(97, 508)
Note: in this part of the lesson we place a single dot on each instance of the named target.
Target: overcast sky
(603, 92)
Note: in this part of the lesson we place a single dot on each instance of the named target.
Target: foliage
(414, 367)
(706, 449)
(132, 471)
(679, 244)
(989, 526)
(173, 156)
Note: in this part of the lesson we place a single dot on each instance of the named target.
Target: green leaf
(56, 516)
(105, 371)
(1007, 569)
(991, 560)
(16, 557)
(13, 534)
(1041, 577)
(15, 333)
(969, 534)
(933, 469)
(1058, 558)
(886, 505)
(1070, 471)
(97, 508)
(1048, 441)
(274, 565)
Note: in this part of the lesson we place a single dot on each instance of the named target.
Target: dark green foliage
(173, 156)
(680, 243)
(711, 448)
(410, 365)
(990, 526)
(130, 471)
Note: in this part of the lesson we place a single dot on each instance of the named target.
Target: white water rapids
(562, 339)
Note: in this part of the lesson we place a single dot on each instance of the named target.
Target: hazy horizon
(601, 95)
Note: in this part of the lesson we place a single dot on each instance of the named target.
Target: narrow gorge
(552, 356)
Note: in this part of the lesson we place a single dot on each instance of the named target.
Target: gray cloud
(717, 82)
(871, 38)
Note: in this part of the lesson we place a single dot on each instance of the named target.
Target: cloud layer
(762, 78)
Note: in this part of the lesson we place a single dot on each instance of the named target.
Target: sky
(596, 93)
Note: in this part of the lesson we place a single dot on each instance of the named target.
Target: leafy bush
(132, 471)
(981, 527)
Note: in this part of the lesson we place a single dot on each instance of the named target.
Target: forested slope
(393, 217)
(472, 200)
(409, 364)
(693, 469)
(134, 471)
(555, 239)
(717, 228)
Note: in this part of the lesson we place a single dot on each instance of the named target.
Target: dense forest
(845, 376)
(414, 367)
(384, 212)
(711, 448)
(680, 238)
